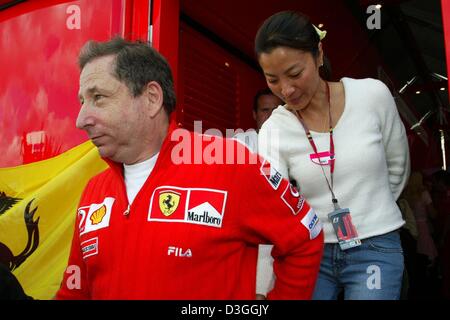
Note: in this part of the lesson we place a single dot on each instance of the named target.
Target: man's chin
(109, 154)
(104, 152)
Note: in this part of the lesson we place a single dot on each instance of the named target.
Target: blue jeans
(371, 271)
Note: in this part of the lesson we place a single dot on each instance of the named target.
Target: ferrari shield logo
(168, 202)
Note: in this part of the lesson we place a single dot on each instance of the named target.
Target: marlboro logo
(271, 174)
(200, 206)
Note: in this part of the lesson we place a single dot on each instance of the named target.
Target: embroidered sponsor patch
(189, 205)
(271, 174)
(312, 222)
(165, 208)
(168, 202)
(293, 199)
(95, 216)
(89, 247)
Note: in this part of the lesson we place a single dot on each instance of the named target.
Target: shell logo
(97, 215)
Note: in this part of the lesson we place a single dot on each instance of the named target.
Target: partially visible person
(408, 237)
(441, 201)
(410, 225)
(426, 264)
(345, 145)
(422, 206)
(159, 224)
(264, 102)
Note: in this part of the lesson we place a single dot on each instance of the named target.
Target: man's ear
(254, 115)
(154, 97)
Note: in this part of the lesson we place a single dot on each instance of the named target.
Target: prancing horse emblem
(168, 202)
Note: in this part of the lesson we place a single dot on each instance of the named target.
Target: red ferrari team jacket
(193, 230)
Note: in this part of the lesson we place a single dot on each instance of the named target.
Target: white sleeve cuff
(264, 273)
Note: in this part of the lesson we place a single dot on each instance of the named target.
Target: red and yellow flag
(38, 202)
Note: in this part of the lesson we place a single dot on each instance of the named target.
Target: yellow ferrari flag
(38, 203)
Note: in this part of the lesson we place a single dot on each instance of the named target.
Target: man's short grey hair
(136, 64)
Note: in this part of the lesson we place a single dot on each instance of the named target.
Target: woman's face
(292, 75)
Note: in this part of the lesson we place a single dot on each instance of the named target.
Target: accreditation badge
(343, 227)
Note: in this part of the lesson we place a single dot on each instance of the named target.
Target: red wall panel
(39, 47)
(216, 87)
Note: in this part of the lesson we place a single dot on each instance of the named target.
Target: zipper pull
(127, 212)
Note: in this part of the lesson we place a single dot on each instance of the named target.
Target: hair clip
(321, 33)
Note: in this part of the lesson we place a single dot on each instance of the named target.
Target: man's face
(266, 104)
(114, 120)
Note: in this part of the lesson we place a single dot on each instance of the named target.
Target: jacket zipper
(127, 211)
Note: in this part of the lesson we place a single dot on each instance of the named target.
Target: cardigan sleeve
(269, 141)
(394, 140)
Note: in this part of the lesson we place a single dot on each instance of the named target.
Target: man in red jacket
(169, 219)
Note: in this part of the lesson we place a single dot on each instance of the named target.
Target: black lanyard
(313, 145)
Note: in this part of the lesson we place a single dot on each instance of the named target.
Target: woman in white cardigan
(345, 146)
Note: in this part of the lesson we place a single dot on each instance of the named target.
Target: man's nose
(84, 118)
